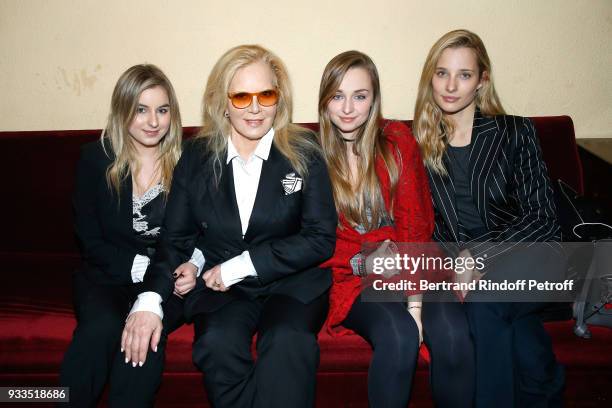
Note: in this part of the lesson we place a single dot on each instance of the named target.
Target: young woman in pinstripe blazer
(490, 191)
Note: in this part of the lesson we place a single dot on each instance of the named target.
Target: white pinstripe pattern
(509, 184)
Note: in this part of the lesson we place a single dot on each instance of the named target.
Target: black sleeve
(537, 219)
(113, 260)
(314, 243)
(179, 230)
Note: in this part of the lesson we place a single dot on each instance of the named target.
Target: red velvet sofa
(38, 254)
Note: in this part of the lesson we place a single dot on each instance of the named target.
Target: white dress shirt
(151, 301)
(246, 182)
(141, 262)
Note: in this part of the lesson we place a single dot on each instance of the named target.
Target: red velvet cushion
(38, 255)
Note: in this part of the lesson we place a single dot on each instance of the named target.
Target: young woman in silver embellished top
(119, 201)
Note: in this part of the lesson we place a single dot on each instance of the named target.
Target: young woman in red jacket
(381, 195)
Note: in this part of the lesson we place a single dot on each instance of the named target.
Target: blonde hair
(431, 127)
(370, 144)
(124, 103)
(295, 143)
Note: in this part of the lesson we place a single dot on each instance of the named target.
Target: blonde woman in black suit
(253, 193)
(491, 192)
(121, 186)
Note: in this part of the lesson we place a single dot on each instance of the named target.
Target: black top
(148, 214)
(509, 186)
(104, 220)
(469, 221)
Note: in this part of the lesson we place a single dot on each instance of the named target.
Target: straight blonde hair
(295, 143)
(370, 144)
(431, 127)
(124, 103)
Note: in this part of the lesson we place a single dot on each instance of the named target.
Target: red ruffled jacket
(413, 217)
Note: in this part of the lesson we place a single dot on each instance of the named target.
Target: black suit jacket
(287, 236)
(509, 184)
(103, 221)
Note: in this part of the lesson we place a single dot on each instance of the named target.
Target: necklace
(141, 191)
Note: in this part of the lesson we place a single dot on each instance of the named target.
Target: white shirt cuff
(148, 302)
(237, 268)
(197, 258)
(139, 267)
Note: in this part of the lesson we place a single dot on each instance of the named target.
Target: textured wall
(59, 59)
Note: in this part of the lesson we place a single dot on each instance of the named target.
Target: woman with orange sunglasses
(253, 193)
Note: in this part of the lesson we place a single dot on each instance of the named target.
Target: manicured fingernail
(122, 349)
(134, 364)
(126, 360)
(140, 363)
(155, 349)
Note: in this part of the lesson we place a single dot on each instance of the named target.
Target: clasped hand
(213, 280)
(144, 328)
(185, 276)
(467, 274)
(387, 249)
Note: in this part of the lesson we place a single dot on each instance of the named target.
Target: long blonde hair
(295, 143)
(124, 103)
(370, 144)
(431, 127)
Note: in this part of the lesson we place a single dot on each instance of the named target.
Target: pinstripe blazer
(509, 184)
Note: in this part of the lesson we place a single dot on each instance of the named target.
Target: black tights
(452, 367)
(394, 337)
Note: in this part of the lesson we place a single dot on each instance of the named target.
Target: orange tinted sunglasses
(242, 100)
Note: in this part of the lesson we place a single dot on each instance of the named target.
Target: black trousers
(452, 366)
(94, 356)
(501, 349)
(515, 363)
(287, 352)
(394, 337)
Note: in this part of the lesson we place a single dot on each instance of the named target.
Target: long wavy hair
(431, 127)
(370, 144)
(295, 143)
(124, 103)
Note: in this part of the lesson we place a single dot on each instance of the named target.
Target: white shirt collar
(262, 150)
